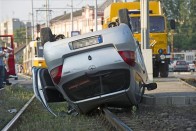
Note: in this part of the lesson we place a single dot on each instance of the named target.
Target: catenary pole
(95, 15)
(144, 24)
(71, 15)
(32, 21)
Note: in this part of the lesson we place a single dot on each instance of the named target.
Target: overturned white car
(98, 68)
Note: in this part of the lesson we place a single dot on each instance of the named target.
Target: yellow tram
(33, 56)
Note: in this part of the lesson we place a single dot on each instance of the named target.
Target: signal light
(128, 57)
(56, 74)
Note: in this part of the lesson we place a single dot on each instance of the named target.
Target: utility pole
(172, 44)
(32, 21)
(95, 15)
(144, 23)
(146, 51)
(26, 33)
(71, 15)
(47, 14)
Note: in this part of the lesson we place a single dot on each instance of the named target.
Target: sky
(22, 9)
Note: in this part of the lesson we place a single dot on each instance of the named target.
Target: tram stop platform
(170, 91)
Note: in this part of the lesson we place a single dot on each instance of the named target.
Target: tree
(20, 36)
(183, 12)
(192, 20)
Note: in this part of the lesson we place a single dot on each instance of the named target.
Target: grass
(12, 97)
(37, 118)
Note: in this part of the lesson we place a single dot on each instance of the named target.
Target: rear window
(181, 63)
(103, 82)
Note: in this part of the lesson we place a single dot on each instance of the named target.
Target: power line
(56, 8)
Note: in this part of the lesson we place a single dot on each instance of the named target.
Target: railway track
(17, 116)
(111, 121)
(114, 121)
(106, 120)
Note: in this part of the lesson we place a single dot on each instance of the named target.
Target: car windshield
(181, 63)
(157, 24)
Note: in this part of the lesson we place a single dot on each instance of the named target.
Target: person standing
(2, 73)
(6, 67)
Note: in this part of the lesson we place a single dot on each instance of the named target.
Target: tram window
(40, 51)
(35, 51)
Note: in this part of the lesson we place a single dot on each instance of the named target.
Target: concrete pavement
(22, 80)
(171, 91)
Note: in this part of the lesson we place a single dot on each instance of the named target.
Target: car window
(139, 57)
(181, 63)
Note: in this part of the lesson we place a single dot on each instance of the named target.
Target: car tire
(164, 70)
(140, 93)
(46, 35)
(124, 17)
(155, 72)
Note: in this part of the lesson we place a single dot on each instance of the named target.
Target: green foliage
(20, 36)
(183, 12)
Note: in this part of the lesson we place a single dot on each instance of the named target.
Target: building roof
(67, 16)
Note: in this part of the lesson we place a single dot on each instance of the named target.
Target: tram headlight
(39, 64)
(162, 57)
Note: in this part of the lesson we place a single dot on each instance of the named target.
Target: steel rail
(11, 123)
(115, 121)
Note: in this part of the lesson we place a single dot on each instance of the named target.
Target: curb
(150, 99)
(169, 100)
(183, 73)
(185, 83)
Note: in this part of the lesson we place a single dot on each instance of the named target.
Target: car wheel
(164, 70)
(124, 17)
(46, 35)
(140, 92)
(155, 72)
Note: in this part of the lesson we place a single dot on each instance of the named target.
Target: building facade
(8, 26)
(83, 21)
